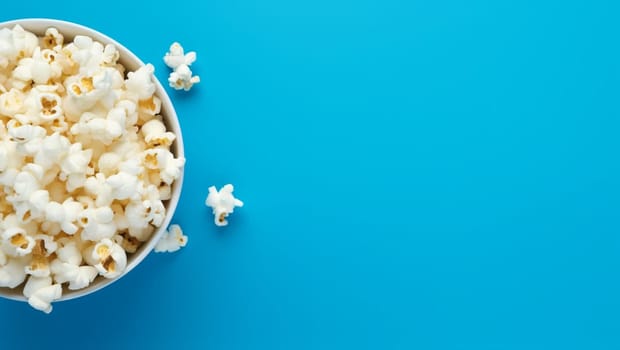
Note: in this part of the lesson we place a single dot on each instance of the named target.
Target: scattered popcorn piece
(223, 203)
(181, 75)
(172, 240)
(182, 78)
(176, 56)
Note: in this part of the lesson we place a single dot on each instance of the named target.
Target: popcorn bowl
(131, 62)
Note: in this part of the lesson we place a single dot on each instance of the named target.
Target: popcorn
(137, 215)
(110, 258)
(10, 160)
(110, 55)
(66, 268)
(172, 240)
(12, 102)
(97, 223)
(105, 130)
(129, 147)
(25, 184)
(41, 292)
(52, 150)
(140, 83)
(122, 185)
(69, 253)
(108, 163)
(163, 161)
(74, 166)
(65, 214)
(223, 203)
(13, 273)
(181, 76)
(28, 138)
(48, 105)
(78, 277)
(131, 113)
(176, 56)
(149, 108)
(15, 242)
(155, 134)
(52, 38)
(85, 162)
(156, 212)
(27, 197)
(129, 243)
(15, 43)
(40, 68)
(97, 186)
(39, 265)
(84, 92)
(91, 55)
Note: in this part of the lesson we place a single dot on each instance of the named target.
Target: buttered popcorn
(85, 162)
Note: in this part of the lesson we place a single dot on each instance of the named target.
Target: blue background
(417, 175)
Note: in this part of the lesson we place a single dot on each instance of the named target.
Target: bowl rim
(36, 26)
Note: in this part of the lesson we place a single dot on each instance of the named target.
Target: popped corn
(223, 203)
(85, 162)
(176, 56)
(172, 240)
(108, 257)
(67, 267)
(181, 76)
(41, 292)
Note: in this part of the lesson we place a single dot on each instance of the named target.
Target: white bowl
(131, 62)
